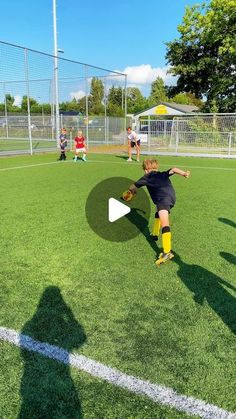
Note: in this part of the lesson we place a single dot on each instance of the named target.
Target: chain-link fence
(205, 135)
(99, 131)
(31, 80)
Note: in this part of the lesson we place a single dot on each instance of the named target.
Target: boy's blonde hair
(150, 165)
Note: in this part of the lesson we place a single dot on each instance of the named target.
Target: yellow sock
(166, 239)
(156, 227)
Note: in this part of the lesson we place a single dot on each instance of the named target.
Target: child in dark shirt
(63, 144)
(163, 196)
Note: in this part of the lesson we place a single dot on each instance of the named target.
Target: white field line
(159, 394)
(4, 169)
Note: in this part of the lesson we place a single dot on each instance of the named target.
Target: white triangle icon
(116, 210)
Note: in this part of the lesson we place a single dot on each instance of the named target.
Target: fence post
(177, 136)
(86, 106)
(28, 99)
(125, 121)
(71, 144)
(107, 130)
(6, 116)
(149, 133)
(230, 143)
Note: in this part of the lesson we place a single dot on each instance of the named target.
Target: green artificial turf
(60, 283)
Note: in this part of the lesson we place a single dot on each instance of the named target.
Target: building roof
(175, 106)
(179, 107)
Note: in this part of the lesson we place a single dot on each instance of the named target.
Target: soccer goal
(205, 134)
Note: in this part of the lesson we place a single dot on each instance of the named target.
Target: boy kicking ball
(162, 194)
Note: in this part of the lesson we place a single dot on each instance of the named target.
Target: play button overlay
(116, 210)
(113, 219)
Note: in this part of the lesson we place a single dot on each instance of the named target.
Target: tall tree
(135, 100)
(204, 57)
(9, 99)
(115, 96)
(96, 97)
(158, 91)
(24, 103)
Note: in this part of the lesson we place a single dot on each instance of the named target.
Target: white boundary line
(4, 169)
(159, 394)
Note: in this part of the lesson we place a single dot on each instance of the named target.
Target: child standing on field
(63, 144)
(80, 146)
(163, 196)
(133, 141)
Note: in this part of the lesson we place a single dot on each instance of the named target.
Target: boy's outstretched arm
(179, 172)
(128, 195)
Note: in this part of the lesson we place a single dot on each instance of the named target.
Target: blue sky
(128, 36)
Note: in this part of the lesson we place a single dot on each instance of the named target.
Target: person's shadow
(47, 389)
(207, 286)
(141, 223)
(123, 157)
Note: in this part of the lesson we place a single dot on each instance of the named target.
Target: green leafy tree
(115, 101)
(135, 100)
(96, 97)
(114, 110)
(9, 100)
(204, 56)
(82, 105)
(24, 103)
(158, 92)
(187, 99)
(115, 96)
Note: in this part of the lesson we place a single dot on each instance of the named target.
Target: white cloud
(145, 74)
(77, 95)
(17, 100)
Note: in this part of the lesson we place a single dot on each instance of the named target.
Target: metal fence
(30, 76)
(212, 135)
(99, 130)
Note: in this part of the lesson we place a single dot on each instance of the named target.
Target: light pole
(56, 94)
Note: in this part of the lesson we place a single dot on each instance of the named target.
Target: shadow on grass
(209, 287)
(227, 221)
(47, 389)
(124, 157)
(230, 258)
(136, 218)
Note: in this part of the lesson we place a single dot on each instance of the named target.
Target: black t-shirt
(63, 140)
(159, 187)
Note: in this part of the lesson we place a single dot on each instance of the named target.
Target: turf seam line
(157, 393)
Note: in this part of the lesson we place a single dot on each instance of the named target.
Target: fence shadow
(47, 389)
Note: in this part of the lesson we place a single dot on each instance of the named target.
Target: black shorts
(133, 144)
(164, 205)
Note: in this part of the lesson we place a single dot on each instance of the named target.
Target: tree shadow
(209, 287)
(227, 221)
(141, 223)
(47, 389)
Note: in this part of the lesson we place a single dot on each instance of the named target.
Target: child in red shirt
(80, 146)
